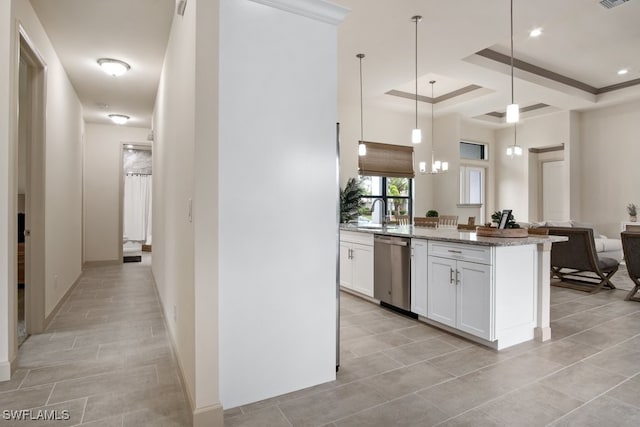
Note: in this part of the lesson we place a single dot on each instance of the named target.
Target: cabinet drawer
(355, 237)
(472, 253)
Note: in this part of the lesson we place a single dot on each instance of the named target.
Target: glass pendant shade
(422, 166)
(437, 164)
(416, 136)
(445, 166)
(362, 149)
(513, 113)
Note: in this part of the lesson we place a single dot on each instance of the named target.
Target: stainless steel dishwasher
(392, 270)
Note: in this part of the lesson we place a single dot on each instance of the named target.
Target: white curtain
(137, 208)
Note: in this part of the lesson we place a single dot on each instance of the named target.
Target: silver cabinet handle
(451, 275)
(454, 252)
(457, 277)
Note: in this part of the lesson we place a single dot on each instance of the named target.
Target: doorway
(136, 202)
(30, 191)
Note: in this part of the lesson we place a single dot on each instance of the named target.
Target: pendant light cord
(360, 56)
(416, 56)
(512, 97)
(432, 138)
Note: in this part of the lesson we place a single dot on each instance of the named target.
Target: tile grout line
(596, 397)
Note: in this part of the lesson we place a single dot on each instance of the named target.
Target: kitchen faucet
(384, 209)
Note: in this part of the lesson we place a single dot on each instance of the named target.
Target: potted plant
(350, 201)
(632, 210)
(432, 214)
(511, 221)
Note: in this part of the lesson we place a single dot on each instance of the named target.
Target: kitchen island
(495, 291)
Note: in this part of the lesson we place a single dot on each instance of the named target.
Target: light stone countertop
(451, 235)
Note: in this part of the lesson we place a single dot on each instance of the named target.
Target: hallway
(105, 358)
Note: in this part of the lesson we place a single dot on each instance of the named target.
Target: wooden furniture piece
(431, 222)
(631, 249)
(469, 226)
(539, 231)
(448, 221)
(20, 263)
(402, 220)
(630, 226)
(576, 262)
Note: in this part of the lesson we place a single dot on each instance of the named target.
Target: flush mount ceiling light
(622, 72)
(113, 67)
(362, 147)
(416, 134)
(437, 166)
(119, 119)
(536, 32)
(513, 110)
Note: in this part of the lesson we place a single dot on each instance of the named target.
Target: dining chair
(448, 221)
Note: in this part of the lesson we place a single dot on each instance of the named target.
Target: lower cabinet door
(363, 269)
(474, 299)
(441, 290)
(346, 266)
(419, 279)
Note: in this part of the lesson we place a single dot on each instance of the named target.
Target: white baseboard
(5, 371)
(209, 416)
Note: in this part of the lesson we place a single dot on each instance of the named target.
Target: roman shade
(386, 160)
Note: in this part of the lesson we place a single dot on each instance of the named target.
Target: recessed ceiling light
(535, 32)
(623, 72)
(113, 67)
(129, 146)
(119, 119)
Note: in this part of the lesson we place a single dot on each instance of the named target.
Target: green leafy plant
(432, 214)
(511, 221)
(350, 201)
(632, 209)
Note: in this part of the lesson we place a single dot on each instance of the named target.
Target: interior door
(553, 191)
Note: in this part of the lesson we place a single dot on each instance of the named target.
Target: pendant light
(513, 109)
(437, 166)
(515, 149)
(416, 134)
(362, 147)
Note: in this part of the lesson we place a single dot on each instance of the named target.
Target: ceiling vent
(610, 4)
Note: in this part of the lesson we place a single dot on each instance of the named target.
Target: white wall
(440, 192)
(610, 173)
(512, 174)
(173, 160)
(7, 203)
(63, 199)
(103, 166)
(278, 194)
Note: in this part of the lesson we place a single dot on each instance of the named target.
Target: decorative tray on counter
(501, 232)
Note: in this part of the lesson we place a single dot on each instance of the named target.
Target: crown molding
(320, 10)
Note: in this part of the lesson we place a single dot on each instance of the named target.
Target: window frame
(385, 197)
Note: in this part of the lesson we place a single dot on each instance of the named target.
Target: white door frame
(35, 183)
(123, 146)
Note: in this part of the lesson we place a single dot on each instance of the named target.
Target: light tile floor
(397, 371)
(105, 358)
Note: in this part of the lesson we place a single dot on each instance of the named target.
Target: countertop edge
(453, 235)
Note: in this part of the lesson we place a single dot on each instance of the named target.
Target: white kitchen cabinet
(419, 276)
(356, 262)
(487, 292)
(458, 291)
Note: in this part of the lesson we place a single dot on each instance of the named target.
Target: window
(394, 191)
(472, 185)
(473, 151)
